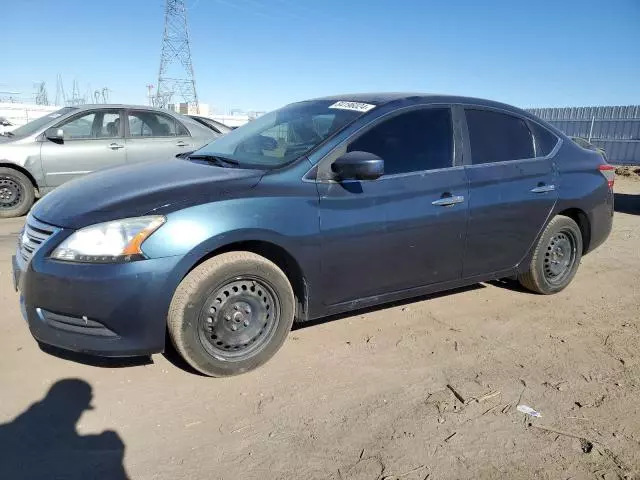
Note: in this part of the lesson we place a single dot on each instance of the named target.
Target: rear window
(498, 137)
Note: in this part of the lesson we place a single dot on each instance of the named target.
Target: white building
(17, 114)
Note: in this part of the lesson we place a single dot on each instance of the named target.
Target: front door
(405, 229)
(512, 189)
(155, 136)
(93, 140)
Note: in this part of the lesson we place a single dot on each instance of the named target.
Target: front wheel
(231, 313)
(16, 193)
(556, 257)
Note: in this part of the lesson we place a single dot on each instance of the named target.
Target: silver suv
(74, 141)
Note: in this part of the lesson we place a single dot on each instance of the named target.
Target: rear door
(405, 229)
(93, 140)
(512, 188)
(153, 135)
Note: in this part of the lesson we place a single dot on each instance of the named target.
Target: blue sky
(261, 54)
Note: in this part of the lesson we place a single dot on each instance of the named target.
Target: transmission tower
(61, 97)
(105, 95)
(175, 77)
(41, 94)
(76, 99)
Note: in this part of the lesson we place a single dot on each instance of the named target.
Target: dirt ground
(424, 389)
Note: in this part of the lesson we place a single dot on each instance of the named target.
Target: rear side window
(411, 142)
(545, 140)
(181, 130)
(153, 124)
(498, 137)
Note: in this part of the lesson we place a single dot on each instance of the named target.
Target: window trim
(83, 113)
(162, 114)
(323, 166)
(468, 161)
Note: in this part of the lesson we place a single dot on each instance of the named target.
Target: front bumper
(112, 310)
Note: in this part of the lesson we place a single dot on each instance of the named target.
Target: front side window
(152, 124)
(414, 141)
(80, 127)
(96, 124)
(498, 137)
(280, 137)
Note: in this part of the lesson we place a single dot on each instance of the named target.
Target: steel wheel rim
(560, 257)
(239, 318)
(10, 192)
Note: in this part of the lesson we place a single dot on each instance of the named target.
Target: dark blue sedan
(323, 206)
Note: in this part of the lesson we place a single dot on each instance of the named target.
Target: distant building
(17, 114)
(190, 109)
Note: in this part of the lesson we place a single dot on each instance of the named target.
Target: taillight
(609, 172)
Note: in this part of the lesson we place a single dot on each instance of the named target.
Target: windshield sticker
(55, 115)
(356, 106)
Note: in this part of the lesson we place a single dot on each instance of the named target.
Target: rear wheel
(231, 313)
(16, 193)
(556, 257)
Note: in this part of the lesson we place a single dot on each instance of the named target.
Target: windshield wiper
(215, 159)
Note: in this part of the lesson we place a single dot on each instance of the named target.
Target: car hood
(139, 189)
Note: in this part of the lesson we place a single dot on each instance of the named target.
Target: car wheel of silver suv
(16, 193)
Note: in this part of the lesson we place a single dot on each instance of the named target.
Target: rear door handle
(543, 189)
(115, 146)
(448, 201)
(182, 144)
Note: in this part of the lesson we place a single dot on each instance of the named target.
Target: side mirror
(358, 166)
(56, 135)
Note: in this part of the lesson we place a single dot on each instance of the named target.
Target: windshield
(284, 135)
(34, 125)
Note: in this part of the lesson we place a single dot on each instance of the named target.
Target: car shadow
(385, 306)
(95, 361)
(42, 441)
(174, 358)
(510, 284)
(627, 203)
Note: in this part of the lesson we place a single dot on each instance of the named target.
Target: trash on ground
(528, 410)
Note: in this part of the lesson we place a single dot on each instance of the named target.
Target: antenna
(176, 70)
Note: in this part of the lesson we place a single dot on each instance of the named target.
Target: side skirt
(406, 294)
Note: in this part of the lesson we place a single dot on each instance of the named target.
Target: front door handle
(448, 201)
(543, 189)
(115, 146)
(182, 144)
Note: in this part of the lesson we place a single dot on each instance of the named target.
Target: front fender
(290, 223)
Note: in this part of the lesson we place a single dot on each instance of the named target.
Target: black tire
(556, 257)
(16, 193)
(211, 333)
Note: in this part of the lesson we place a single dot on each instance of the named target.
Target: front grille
(34, 235)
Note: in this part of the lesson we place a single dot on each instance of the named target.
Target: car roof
(90, 106)
(381, 98)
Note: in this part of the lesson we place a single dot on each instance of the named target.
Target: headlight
(109, 242)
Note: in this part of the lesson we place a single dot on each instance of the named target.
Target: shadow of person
(42, 442)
